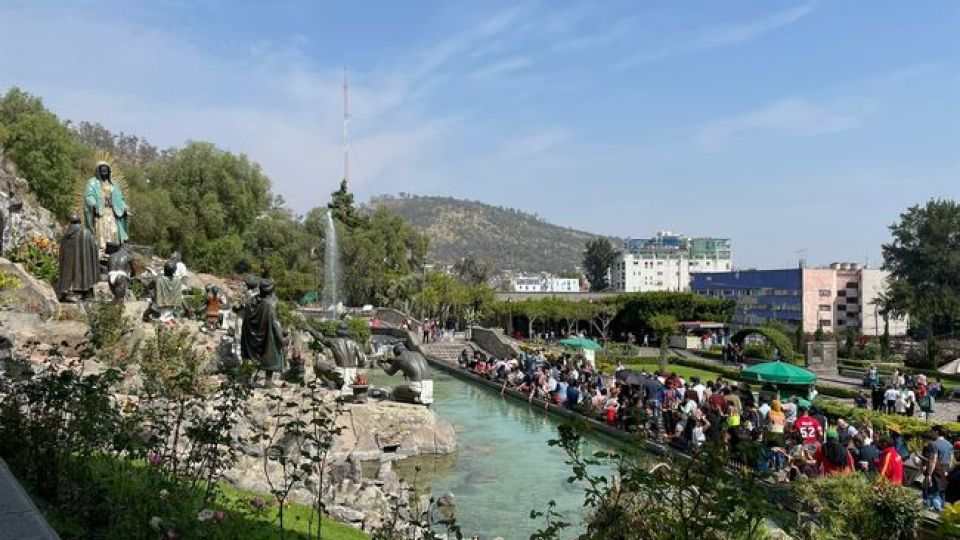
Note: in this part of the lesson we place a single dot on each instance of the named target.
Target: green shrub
(326, 327)
(108, 325)
(853, 506)
(764, 351)
(359, 330)
(38, 257)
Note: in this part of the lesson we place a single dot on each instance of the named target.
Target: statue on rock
(414, 367)
(347, 358)
(120, 270)
(79, 263)
(105, 211)
(261, 340)
(167, 301)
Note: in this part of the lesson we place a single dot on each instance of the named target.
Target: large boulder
(32, 295)
(36, 337)
(400, 429)
(24, 218)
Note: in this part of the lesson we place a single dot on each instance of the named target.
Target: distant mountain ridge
(506, 238)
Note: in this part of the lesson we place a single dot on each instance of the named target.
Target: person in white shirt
(890, 399)
(764, 409)
(700, 389)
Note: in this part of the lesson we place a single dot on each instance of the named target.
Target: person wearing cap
(832, 457)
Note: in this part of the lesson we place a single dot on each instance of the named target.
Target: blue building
(761, 295)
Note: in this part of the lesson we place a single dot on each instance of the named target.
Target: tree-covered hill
(505, 238)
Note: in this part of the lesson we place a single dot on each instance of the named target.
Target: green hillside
(504, 237)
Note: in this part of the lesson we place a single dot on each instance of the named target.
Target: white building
(665, 262)
(856, 301)
(544, 284)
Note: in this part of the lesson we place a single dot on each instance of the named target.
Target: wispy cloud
(717, 37)
(537, 143)
(266, 100)
(501, 68)
(789, 116)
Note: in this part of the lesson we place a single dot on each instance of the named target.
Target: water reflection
(505, 468)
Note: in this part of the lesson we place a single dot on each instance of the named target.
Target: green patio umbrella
(778, 373)
(581, 343)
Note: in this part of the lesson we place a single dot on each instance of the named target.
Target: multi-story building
(833, 299)
(546, 284)
(666, 261)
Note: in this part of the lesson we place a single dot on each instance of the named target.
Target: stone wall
(494, 342)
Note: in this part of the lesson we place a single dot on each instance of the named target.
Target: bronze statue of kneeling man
(419, 388)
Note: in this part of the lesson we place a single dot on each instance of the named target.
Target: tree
(922, 258)
(205, 194)
(664, 327)
(603, 313)
(597, 259)
(44, 150)
(471, 271)
(344, 210)
(638, 308)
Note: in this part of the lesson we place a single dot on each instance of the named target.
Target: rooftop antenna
(346, 121)
(802, 255)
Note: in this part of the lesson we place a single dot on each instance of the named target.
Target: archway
(774, 336)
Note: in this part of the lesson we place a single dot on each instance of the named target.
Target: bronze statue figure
(414, 367)
(262, 336)
(79, 263)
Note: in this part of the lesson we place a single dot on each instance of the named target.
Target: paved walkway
(19, 518)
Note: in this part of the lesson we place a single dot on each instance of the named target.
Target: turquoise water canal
(505, 468)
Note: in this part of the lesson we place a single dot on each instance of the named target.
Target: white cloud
(717, 37)
(264, 100)
(501, 68)
(789, 116)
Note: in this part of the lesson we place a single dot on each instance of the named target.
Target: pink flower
(219, 516)
(172, 534)
(154, 458)
(258, 503)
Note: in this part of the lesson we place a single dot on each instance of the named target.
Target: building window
(824, 293)
(852, 300)
(841, 293)
(824, 307)
(824, 322)
(840, 322)
(841, 307)
(853, 285)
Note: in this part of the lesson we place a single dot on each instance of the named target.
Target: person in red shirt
(890, 464)
(809, 429)
(832, 457)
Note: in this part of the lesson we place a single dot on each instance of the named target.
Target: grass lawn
(683, 371)
(296, 519)
(264, 525)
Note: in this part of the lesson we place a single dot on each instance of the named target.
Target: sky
(792, 127)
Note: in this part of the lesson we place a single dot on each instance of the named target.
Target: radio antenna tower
(346, 121)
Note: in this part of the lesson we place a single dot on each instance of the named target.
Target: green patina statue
(105, 212)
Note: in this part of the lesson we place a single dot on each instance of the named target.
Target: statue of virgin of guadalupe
(104, 210)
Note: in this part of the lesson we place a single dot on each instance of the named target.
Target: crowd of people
(903, 394)
(787, 437)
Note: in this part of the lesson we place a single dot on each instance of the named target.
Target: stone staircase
(449, 351)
